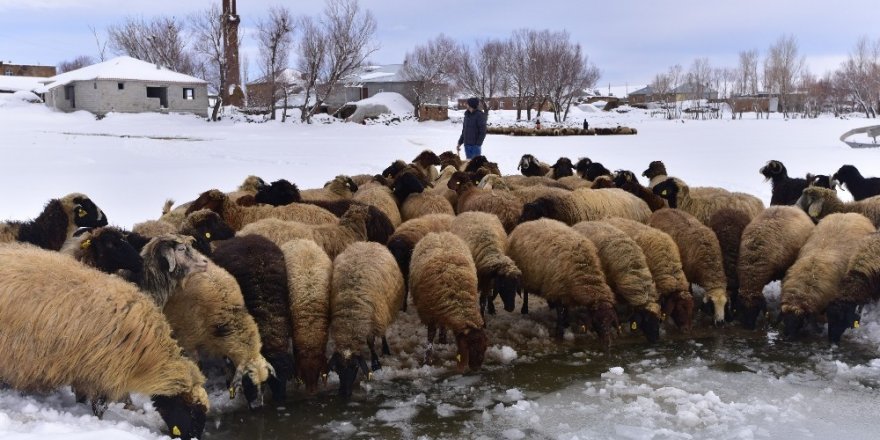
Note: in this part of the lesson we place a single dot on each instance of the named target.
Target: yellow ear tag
(663, 193)
(85, 244)
(583, 329)
(855, 324)
(175, 431)
(633, 326)
(207, 235)
(81, 212)
(232, 392)
(663, 317)
(370, 376)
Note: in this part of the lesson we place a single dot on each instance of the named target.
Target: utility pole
(232, 93)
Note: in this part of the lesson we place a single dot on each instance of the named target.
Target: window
(8, 72)
(95, 85)
(189, 93)
(120, 86)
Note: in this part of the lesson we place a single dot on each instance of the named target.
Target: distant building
(504, 103)
(387, 78)
(26, 70)
(259, 92)
(683, 92)
(127, 85)
(643, 96)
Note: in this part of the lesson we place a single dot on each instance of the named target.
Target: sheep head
(506, 283)
(603, 320)
(206, 226)
(847, 174)
(213, 199)
(427, 158)
(379, 227)
(252, 184)
(108, 250)
(278, 193)
(394, 169)
(529, 166)
(813, 201)
(185, 414)
(406, 184)
(82, 212)
(680, 306)
(174, 254)
(623, 176)
(841, 316)
(347, 366)
(671, 190)
(541, 207)
(282, 365)
(583, 164)
(311, 366)
(655, 168)
(248, 377)
(562, 168)
(448, 158)
(472, 344)
(459, 182)
(475, 163)
(596, 169)
(792, 322)
(603, 182)
(774, 170)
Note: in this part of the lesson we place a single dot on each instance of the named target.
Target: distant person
(537, 124)
(473, 130)
(586, 125)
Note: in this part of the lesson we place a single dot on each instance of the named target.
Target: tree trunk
(216, 110)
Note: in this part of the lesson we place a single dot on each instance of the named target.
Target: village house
(126, 85)
(388, 78)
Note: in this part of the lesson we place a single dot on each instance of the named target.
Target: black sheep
(206, 226)
(786, 190)
(448, 158)
(820, 180)
(530, 166)
(627, 181)
(106, 249)
(860, 187)
(562, 168)
(595, 170)
(56, 223)
(258, 266)
(583, 164)
(278, 193)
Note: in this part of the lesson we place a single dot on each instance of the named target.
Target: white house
(128, 85)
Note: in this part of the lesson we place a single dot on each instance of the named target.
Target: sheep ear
(815, 209)
(168, 255)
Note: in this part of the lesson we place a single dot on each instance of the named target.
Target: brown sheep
(341, 187)
(381, 197)
(700, 256)
(818, 202)
(404, 239)
(858, 287)
(443, 282)
(56, 223)
(502, 204)
(587, 204)
(769, 246)
(728, 226)
(426, 162)
(702, 205)
(415, 201)
(238, 216)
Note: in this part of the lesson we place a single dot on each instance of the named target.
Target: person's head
(473, 103)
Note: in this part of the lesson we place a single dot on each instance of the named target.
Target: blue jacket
(473, 129)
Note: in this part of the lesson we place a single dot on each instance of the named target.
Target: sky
(630, 41)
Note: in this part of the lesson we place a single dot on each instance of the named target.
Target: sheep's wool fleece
(309, 270)
(443, 283)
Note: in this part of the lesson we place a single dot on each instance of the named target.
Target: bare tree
(662, 87)
(206, 30)
(102, 46)
(747, 80)
(481, 70)
(430, 68)
(568, 73)
(860, 75)
(159, 41)
(274, 40)
(698, 79)
(675, 77)
(76, 63)
(349, 31)
(517, 63)
(784, 65)
(311, 51)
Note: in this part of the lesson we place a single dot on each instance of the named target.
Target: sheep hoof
(99, 407)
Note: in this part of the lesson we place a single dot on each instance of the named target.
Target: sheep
(820, 180)
(366, 291)
(426, 161)
(813, 281)
(332, 238)
(341, 187)
(441, 187)
(858, 287)
(728, 226)
(860, 187)
(258, 266)
(628, 182)
(203, 225)
(574, 182)
(702, 205)
(655, 173)
(382, 198)
(238, 216)
(448, 158)
(581, 167)
(105, 249)
(415, 202)
(57, 222)
(124, 345)
(514, 181)
(491, 181)
(627, 274)
(562, 266)
(562, 168)
(664, 262)
(531, 166)
(819, 202)
(481, 161)
(602, 182)
(770, 245)
(786, 190)
(399, 168)
(278, 193)
(308, 277)
(700, 256)
(594, 170)
(443, 282)
(250, 187)
(485, 236)
(587, 204)
(404, 239)
(167, 260)
(503, 204)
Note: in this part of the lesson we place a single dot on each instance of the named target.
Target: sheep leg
(99, 407)
(442, 335)
(386, 351)
(374, 358)
(561, 318)
(525, 305)
(429, 351)
(491, 302)
(483, 302)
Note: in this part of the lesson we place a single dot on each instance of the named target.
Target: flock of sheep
(273, 279)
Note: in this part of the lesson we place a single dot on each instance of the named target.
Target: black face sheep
(333, 238)
(341, 187)
(427, 161)
(700, 256)
(860, 186)
(585, 205)
(769, 246)
(237, 216)
(596, 169)
(786, 190)
(655, 173)
(205, 226)
(664, 262)
(448, 158)
(485, 236)
(415, 201)
(506, 206)
(626, 272)
(858, 287)
(443, 283)
(308, 278)
(278, 193)
(366, 293)
(813, 281)
(582, 165)
(105, 249)
(404, 239)
(562, 168)
(56, 223)
(728, 226)
(820, 180)
(563, 266)
(258, 266)
(628, 182)
(480, 161)
(67, 324)
(703, 205)
(530, 166)
(819, 202)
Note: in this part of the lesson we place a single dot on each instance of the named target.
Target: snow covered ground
(717, 384)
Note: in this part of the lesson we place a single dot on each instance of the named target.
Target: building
(683, 92)
(504, 103)
(388, 78)
(126, 85)
(25, 70)
(643, 96)
(259, 92)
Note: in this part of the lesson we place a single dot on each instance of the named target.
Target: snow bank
(381, 104)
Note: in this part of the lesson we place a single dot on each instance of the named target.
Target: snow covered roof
(20, 83)
(644, 91)
(386, 73)
(120, 68)
(287, 76)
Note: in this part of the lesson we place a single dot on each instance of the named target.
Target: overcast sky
(629, 40)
